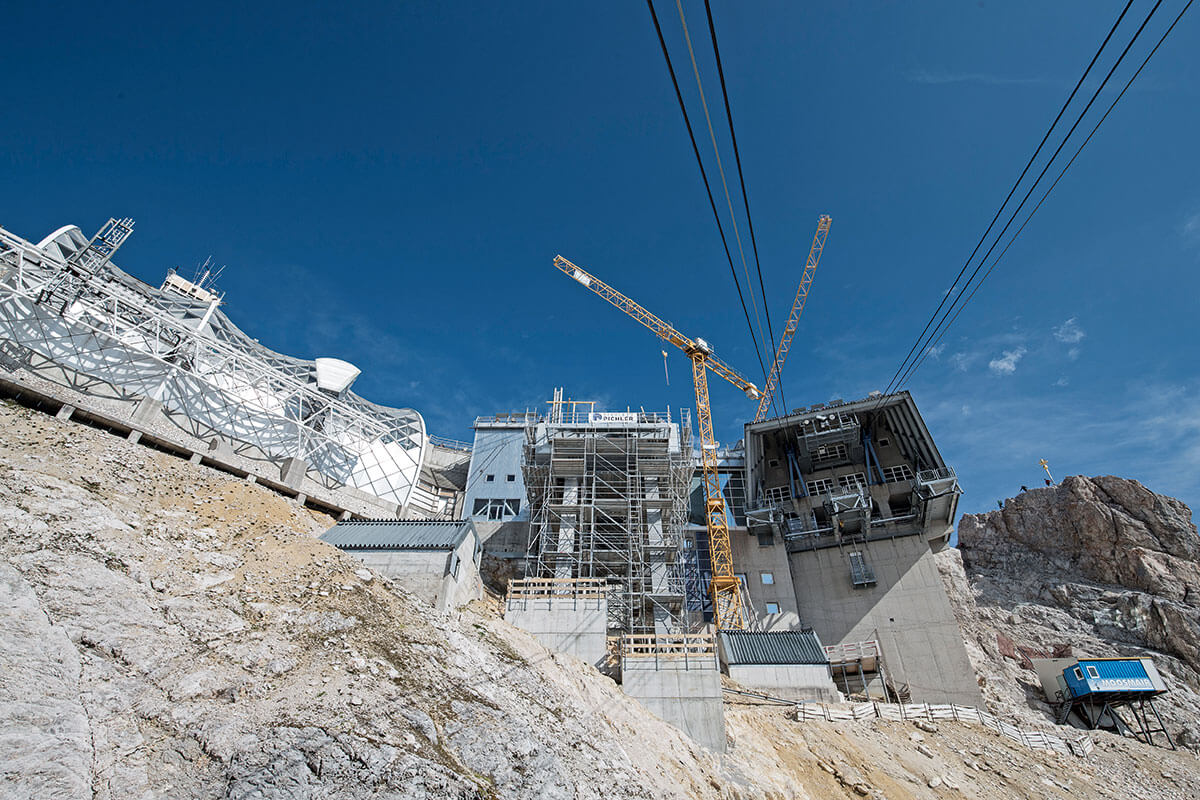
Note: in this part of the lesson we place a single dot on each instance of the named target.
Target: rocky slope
(167, 631)
(1102, 565)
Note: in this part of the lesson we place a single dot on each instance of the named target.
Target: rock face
(168, 632)
(1103, 565)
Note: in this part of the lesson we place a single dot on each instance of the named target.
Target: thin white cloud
(1007, 363)
(1063, 381)
(1190, 229)
(1073, 353)
(963, 360)
(1069, 332)
(937, 351)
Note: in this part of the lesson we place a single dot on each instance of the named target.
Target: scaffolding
(608, 496)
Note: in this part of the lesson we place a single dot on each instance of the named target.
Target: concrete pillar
(134, 436)
(220, 449)
(291, 472)
(301, 499)
(65, 412)
(195, 459)
(147, 411)
(251, 479)
(345, 515)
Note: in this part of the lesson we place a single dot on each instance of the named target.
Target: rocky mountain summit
(169, 632)
(1102, 566)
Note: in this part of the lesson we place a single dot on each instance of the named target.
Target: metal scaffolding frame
(68, 314)
(609, 500)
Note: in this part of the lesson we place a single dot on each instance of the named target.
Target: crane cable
(893, 382)
(1051, 189)
(707, 187)
(712, 30)
(940, 327)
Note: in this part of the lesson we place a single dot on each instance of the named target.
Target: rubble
(163, 634)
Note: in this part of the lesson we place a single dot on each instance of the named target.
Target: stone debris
(171, 632)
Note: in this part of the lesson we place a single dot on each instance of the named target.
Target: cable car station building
(845, 506)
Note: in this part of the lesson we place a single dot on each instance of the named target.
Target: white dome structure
(82, 322)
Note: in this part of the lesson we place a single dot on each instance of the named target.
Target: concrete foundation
(685, 692)
(578, 626)
(143, 420)
(809, 682)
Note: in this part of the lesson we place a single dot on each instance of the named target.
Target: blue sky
(389, 184)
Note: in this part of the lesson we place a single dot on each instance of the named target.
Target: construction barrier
(1080, 745)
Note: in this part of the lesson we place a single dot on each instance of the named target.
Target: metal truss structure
(71, 316)
(608, 500)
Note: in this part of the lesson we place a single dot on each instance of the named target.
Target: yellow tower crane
(785, 341)
(726, 588)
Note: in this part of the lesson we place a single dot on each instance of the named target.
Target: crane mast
(725, 586)
(785, 341)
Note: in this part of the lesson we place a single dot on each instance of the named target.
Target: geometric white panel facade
(76, 318)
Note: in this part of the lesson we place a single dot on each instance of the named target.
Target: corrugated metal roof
(774, 647)
(395, 534)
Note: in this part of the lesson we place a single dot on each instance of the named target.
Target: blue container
(1110, 675)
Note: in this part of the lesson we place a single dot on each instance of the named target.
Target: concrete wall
(497, 453)
(907, 611)
(565, 624)
(426, 573)
(789, 681)
(752, 559)
(686, 695)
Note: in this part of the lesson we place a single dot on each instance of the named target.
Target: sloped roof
(775, 647)
(398, 534)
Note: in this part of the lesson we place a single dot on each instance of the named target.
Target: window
(828, 453)
(510, 478)
(1093, 672)
(768, 578)
(772, 608)
(820, 486)
(852, 483)
(454, 562)
(778, 494)
(1078, 674)
(490, 478)
(495, 509)
(898, 473)
(774, 462)
(884, 441)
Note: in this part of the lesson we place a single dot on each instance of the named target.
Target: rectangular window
(510, 478)
(774, 462)
(852, 483)
(1078, 674)
(884, 441)
(772, 608)
(768, 578)
(829, 453)
(490, 478)
(778, 494)
(1093, 672)
(495, 509)
(898, 473)
(820, 486)
(454, 565)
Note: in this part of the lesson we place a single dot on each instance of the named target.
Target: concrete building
(788, 664)
(436, 561)
(495, 498)
(846, 505)
(608, 500)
